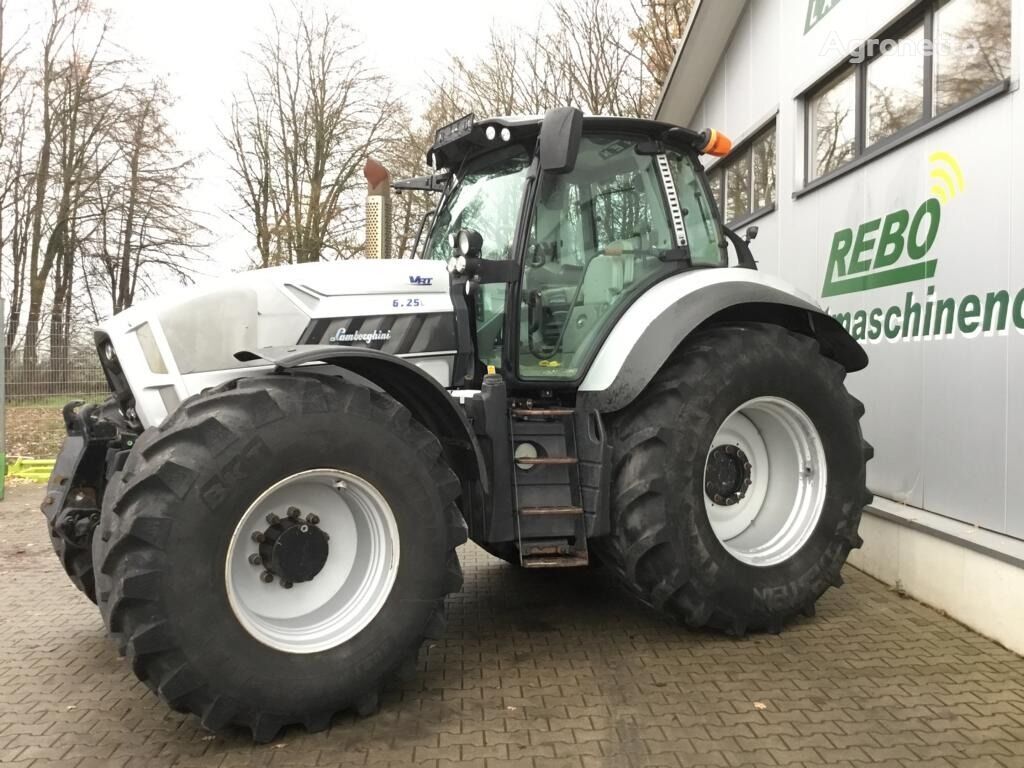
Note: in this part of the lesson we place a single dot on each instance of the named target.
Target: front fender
(659, 321)
(426, 399)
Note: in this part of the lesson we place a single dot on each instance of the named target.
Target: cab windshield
(486, 198)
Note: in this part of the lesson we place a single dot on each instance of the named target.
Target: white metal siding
(946, 416)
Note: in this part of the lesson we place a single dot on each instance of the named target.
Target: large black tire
(169, 515)
(662, 543)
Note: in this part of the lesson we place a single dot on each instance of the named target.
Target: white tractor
(268, 506)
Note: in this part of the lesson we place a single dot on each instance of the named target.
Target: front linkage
(99, 437)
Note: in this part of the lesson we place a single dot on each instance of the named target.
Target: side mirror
(560, 134)
(750, 235)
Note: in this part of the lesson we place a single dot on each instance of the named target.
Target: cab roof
(467, 136)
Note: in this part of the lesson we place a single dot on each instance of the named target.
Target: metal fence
(48, 378)
(36, 387)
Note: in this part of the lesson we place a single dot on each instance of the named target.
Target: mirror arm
(487, 271)
(744, 258)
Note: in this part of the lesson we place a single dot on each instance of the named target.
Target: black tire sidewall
(194, 595)
(768, 364)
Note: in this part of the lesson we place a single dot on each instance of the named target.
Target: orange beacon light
(717, 144)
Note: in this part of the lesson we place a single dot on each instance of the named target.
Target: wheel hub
(727, 475)
(765, 480)
(346, 584)
(294, 548)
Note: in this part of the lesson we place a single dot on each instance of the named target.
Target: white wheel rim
(356, 578)
(770, 520)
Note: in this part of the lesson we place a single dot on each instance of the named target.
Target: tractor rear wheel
(739, 480)
(276, 549)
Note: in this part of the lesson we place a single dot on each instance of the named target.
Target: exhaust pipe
(378, 210)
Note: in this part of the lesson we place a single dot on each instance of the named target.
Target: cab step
(551, 523)
(565, 561)
(565, 511)
(542, 413)
(546, 460)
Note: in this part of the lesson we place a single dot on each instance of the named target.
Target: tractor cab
(553, 226)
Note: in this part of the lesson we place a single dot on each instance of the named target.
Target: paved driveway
(540, 670)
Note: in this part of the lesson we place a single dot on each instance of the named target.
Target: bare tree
(588, 49)
(142, 227)
(76, 110)
(582, 56)
(299, 136)
(90, 187)
(660, 25)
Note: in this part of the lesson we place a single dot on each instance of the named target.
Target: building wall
(945, 414)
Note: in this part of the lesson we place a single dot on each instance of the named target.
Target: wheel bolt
(718, 499)
(747, 482)
(286, 584)
(748, 466)
(255, 559)
(730, 449)
(294, 512)
(312, 519)
(273, 519)
(266, 577)
(257, 536)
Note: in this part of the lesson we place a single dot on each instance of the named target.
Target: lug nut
(718, 499)
(294, 512)
(266, 577)
(257, 536)
(255, 559)
(748, 466)
(273, 519)
(312, 519)
(730, 449)
(286, 584)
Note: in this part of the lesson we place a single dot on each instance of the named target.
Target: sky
(199, 47)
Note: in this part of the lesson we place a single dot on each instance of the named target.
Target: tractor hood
(172, 346)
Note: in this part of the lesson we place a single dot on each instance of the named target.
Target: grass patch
(54, 401)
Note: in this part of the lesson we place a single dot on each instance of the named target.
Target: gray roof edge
(707, 35)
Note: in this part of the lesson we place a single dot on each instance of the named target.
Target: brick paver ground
(540, 670)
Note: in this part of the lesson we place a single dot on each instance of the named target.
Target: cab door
(602, 235)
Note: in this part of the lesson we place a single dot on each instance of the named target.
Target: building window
(895, 87)
(943, 55)
(972, 49)
(744, 182)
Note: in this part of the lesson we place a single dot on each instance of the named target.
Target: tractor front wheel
(276, 549)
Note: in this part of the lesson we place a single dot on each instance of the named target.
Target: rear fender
(426, 399)
(661, 320)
